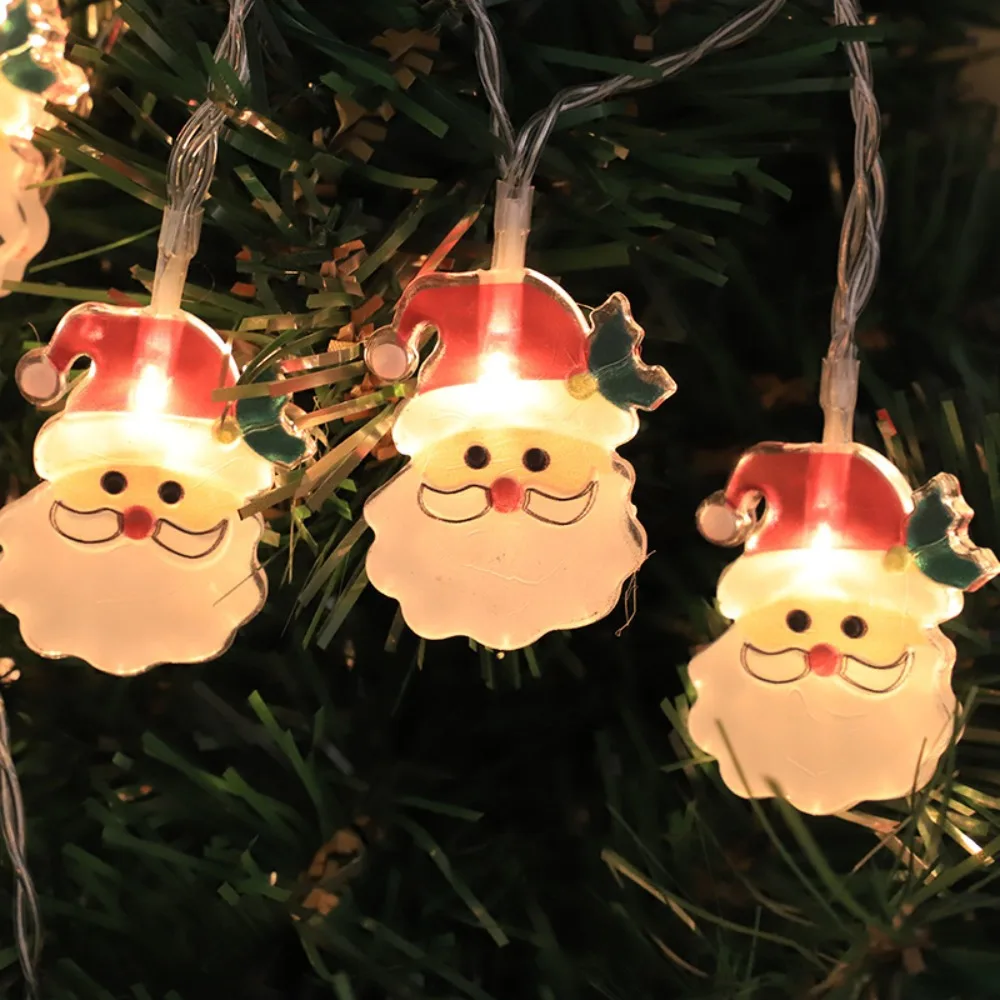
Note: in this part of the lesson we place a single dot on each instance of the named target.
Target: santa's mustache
(469, 503)
(97, 527)
(785, 666)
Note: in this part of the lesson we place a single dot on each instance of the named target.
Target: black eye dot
(798, 621)
(535, 460)
(477, 457)
(853, 627)
(170, 492)
(113, 483)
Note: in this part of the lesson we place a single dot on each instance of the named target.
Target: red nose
(506, 495)
(823, 660)
(138, 522)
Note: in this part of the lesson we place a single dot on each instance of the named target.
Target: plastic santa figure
(834, 681)
(131, 552)
(33, 71)
(514, 517)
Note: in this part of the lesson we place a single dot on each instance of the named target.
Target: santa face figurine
(833, 682)
(514, 517)
(131, 552)
(33, 72)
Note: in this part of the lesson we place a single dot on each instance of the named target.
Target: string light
(131, 552)
(33, 71)
(515, 516)
(833, 683)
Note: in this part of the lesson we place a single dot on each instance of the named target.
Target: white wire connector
(511, 224)
(860, 238)
(180, 234)
(838, 396)
(190, 170)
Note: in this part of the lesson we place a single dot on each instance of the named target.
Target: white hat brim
(854, 576)
(440, 413)
(71, 442)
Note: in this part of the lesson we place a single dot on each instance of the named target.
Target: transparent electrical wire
(192, 166)
(27, 923)
(491, 76)
(860, 236)
(518, 165)
(858, 259)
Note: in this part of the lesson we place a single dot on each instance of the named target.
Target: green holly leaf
(17, 62)
(930, 521)
(943, 565)
(264, 429)
(937, 535)
(614, 360)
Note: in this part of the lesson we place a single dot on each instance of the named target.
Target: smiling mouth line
(545, 512)
(901, 666)
(167, 535)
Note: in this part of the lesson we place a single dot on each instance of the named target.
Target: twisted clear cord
(860, 239)
(191, 168)
(858, 260)
(518, 167)
(491, 76)
(27, 922)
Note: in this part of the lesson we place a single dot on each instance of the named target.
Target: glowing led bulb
(33, 71)
(131, 552)
(497, 371)
(834, 680)
(514, 516)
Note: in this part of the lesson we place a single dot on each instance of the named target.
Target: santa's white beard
(828, 745)
(124, 605)
(503, 579)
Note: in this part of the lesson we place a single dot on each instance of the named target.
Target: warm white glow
(69, 443)
(496, 402)
(498, 390)
(833, 682)
(827, 742)
(515, 517)
(834, 574)
(502, 579)
(24, 223)
(496, 371)
(503, 317)
(124, 605)
(822, 540)
(151, 391)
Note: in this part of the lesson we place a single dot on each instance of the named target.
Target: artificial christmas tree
(338, 808)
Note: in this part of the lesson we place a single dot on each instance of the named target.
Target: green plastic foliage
(336, 810)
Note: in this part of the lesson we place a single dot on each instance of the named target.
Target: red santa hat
(146, 400)
(835, 524)
(509, 353)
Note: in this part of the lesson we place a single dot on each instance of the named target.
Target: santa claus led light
(514, 517)
(33, 71)
(834, 680)
(131, 552)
